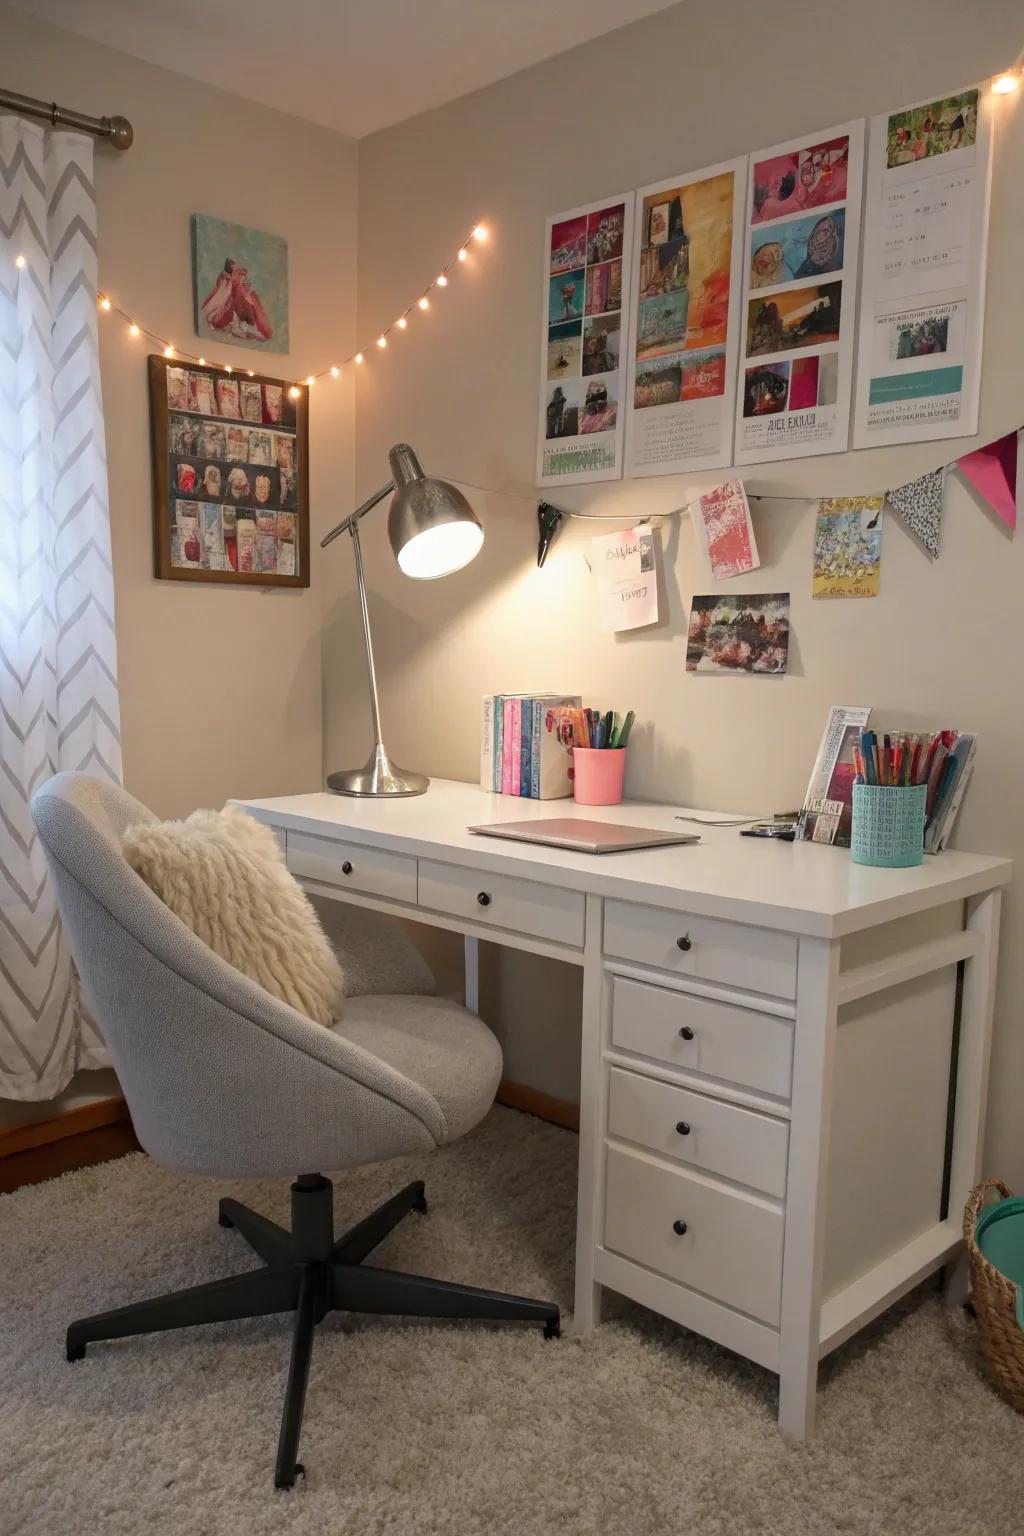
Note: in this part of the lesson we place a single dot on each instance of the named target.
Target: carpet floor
(422, 1430)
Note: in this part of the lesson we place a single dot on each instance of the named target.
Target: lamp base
(378, 779)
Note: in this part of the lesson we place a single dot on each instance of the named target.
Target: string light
(1005, 84)
(478, 233)
(251, 372)
(19, 262)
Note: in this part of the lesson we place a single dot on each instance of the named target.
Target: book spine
(506, 746)
(526, 749)
(536, 731)
(499, 739)
(487, 742)
(517, 746)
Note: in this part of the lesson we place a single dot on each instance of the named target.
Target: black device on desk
(785, 831)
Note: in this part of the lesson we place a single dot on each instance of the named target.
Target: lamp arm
(348, 523)
(371, 670)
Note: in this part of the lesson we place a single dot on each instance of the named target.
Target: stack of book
(523, 750)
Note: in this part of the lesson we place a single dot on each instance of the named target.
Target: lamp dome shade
(432, 527)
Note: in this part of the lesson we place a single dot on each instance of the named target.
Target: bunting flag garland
(992, 471)
(920, 506)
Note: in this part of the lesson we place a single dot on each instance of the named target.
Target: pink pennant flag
(992, 471)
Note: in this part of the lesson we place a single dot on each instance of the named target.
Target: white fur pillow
(224, 875)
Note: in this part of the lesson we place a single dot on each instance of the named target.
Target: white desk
(770, 1034)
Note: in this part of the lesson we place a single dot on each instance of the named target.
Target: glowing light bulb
(335, 373)
(359, 358)
(133, 329)
(294, 391)
(19, 261)
(1007, 83)
(382, 341)
(423, 303)
(104, 302)
(401, 322)
(227, 367)
(168, 350)
(251, 372)
(442, 281)
(310, 381)
(202, 362)
(463, 253)
(480, 233)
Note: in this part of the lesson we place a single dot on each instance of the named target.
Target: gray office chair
(221, 1078)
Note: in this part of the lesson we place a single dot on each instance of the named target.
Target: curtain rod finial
(120, 132)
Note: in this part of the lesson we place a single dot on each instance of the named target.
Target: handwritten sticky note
(625, 571)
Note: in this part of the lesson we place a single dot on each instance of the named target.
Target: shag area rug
(417, 1429)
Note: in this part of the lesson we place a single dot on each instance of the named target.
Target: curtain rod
(117, 129)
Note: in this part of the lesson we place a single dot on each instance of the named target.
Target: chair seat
(439, 1044)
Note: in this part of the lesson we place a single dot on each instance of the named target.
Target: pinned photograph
(848, 546)
(186, 548)
(601, 341)
(284, 450)
(245, 538)
(200, 393)
(262, 488)
(565, 296)
(236, 447)
(809, 247)
(937, 128)
(600, 408)
(212, 441)
(800, 179)
(289, 484)
(229, 536)
(252, 401)
(213, 539)
(604, 288)
(565, 349)
(226, 391)
(182, 435)
(178, 398)
(605, 233)
(266, 553)
(186, 478)
(569, 244)
(238, 484)
(804, 317)
(240, 284)
(740, 633)
(563, 409)
(261, 448)
(273, 402)
(211, 480)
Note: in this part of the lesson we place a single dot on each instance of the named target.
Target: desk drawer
(352, 866)
(693, 1128)
(731, 1249)
(719, 1040)
(757, 959)
(523, 906)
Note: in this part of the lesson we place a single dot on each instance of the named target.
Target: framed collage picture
(230, 477)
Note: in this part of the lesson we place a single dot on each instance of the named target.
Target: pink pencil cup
(597, 775)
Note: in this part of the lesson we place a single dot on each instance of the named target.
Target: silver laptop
(584, 836)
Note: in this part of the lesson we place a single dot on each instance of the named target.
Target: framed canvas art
(230, 477)
(239, 284)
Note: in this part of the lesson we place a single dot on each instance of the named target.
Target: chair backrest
(220, 1076)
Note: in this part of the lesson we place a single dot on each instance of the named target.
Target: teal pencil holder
(888, 825)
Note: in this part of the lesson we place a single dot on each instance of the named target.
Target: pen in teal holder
(888, 825)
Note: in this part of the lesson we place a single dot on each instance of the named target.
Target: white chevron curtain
(58, 670)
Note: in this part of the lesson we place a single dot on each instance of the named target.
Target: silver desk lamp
(433, 531)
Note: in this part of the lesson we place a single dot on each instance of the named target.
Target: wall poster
(685, 321)
(925, 241)
(802, 236)
(587, 259)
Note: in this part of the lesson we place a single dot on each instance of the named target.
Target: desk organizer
(888, 825)
(598, 775)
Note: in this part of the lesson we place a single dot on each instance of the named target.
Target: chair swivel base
(307, 1272)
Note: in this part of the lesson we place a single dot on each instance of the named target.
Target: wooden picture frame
(211, 452)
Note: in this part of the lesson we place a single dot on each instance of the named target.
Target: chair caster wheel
(420, 1203)
(551, 1329)
(289, 1482)
(75, 1352)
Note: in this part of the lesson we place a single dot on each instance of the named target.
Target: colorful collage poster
(685, 322)
(923, 296)
(848, 546)
(800, 254)
(587, 260)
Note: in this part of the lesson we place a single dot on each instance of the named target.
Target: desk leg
(472, 953)
(813, 1061)
(972, 1071)
(590, 1188)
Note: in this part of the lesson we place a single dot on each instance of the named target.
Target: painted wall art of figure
(239, 284)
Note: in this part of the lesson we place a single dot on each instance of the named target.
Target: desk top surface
(796, 887)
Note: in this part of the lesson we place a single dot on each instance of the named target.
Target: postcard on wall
(724, 529)
(827, 813)
(923, 295)
(685, 322)
(801, 244)
(625, 570)
(587, 262)
(848, 546)
(739, 632)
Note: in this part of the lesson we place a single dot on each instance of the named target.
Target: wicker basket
(995, 1303)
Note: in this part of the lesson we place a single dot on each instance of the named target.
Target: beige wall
(220, 687)
(689, 87)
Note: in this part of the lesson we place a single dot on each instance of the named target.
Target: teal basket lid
(999, 1235)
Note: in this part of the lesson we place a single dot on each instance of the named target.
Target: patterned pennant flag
(920, 506)
(992, 471)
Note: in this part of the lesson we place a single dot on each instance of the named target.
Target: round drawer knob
(679, 1228)
(686, 1033)
(685, 942)
(484, 899)
(683, 1128)
(346, 868)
